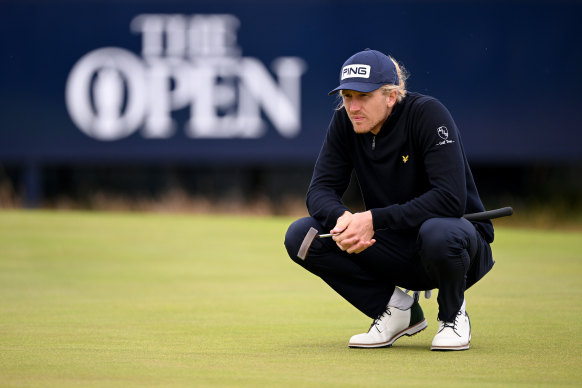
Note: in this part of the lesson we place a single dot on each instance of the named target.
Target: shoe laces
(376, 322)
(452, 325)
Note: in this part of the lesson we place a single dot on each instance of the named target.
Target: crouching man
(416, 184)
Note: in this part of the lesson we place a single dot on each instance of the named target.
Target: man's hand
(355, 232)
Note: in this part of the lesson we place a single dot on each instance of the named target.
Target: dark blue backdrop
(508, 71)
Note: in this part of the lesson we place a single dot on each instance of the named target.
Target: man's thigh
(394, 257)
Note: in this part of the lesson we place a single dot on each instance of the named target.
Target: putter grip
(489, 214)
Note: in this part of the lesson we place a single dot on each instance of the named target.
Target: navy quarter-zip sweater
(414, 169)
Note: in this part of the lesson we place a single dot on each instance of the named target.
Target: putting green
(138, 300)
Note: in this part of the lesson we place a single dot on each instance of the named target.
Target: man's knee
(432, 239)
(295, 235)
(442, 238)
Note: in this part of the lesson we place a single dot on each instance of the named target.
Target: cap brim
(363, 87)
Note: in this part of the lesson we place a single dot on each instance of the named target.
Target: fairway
(149, 300)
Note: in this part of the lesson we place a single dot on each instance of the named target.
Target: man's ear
(391, 98)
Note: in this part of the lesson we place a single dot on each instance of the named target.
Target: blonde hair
(402, 77)
(386, 89)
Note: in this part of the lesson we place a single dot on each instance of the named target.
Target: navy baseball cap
(366, 71)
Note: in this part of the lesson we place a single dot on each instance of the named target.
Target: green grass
(146, 300)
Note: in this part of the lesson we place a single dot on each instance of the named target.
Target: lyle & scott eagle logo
(404, 158)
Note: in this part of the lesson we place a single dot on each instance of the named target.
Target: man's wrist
(371, 219)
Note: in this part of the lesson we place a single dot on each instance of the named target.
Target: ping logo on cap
(356, 71)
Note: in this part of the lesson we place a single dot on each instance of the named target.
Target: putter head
(309, 237)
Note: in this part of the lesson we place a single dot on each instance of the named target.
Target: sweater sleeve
(436, 140)
(331, 175)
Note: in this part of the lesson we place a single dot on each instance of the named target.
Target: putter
(313, 233)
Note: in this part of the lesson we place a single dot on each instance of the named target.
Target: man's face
(368, 111)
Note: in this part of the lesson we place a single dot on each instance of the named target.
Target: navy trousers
(438, 255)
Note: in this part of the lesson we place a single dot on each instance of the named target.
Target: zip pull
(374, 143)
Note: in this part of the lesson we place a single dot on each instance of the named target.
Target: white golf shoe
(390, 326)
(454, 335)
